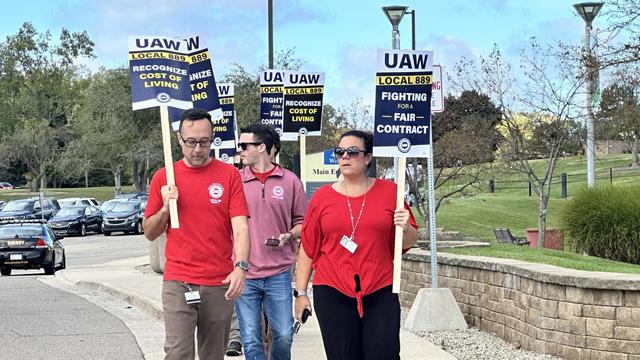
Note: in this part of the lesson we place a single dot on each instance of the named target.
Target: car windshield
(125, 206)
(18, 206)
(67, 202)
(70, 211)
(12, 231)
(108, 205)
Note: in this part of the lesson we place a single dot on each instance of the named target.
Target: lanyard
(355, 225)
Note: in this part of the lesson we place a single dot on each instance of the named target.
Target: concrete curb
(143, 303)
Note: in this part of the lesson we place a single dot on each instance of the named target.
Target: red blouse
(327, 220)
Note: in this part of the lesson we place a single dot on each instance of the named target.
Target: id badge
(348, 243)
(192, 297)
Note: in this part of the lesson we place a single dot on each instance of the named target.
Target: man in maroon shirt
(200, 279)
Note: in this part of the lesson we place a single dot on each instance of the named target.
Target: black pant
(346, 336)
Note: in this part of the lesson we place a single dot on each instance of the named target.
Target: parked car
(5, 186)
(125, 216)
(136, 195)
(77, 219)
(78, 201)
(30, 209)
(30, 244)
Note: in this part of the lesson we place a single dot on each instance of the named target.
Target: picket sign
(168, 163)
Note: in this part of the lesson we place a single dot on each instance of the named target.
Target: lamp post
(588, 11)
(395, 13)
(270, 16)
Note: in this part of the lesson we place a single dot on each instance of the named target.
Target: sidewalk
(121, 280)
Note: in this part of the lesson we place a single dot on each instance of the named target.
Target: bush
(605, 222)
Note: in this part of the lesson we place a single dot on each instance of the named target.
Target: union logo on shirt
(278, 192)
(216, 190)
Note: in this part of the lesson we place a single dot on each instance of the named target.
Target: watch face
(243, 265)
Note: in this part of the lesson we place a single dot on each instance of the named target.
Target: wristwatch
(242, 265)
(297, 293)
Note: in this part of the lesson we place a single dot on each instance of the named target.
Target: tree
(103, 122)
(546, 90)
(619, 115)
(39, 83)
(35, 145)
(464, 140)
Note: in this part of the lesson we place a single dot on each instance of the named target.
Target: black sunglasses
(352, 151)
(243, 145)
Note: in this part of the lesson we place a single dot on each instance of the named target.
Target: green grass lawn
(100, 193)
(478, 215)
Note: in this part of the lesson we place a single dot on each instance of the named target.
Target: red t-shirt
(200, 251)
(327, 220)
(263, 176)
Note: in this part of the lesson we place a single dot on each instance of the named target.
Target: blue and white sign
(271, 98)
(202, 83)
(224, 129)
(302, 114)
(403, 101)
(159, 72)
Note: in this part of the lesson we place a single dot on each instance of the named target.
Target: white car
(78, 201)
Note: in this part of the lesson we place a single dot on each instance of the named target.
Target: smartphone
(273, 242)
(296, 327)
(305, 314)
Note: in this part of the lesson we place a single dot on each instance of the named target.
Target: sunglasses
(352, 151)
(243, 145)
(204, 143)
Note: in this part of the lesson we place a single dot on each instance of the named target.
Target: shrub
(605, 222)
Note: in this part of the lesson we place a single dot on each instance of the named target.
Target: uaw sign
(202, 83)
(159, 72)
(224, 129)
(302, 103)
(271, 98)
(403, 101)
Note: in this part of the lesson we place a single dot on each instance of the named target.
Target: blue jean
(273, 294)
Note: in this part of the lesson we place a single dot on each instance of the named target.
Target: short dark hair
(265, 134)
(366, 136)
(194, 114)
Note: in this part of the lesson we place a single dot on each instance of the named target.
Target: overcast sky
(339, 37)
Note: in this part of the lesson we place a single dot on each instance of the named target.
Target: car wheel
(106, 233)
(5, 272)
(139, 229)
(51, 268)
(63, 264)
(83, 230)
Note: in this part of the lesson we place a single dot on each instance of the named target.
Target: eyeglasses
(204, 143)
(352, 151)
(243, 145)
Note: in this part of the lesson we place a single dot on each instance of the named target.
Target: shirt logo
(278, 192)
(216, 190)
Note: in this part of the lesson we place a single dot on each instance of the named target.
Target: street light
(395, 14)
(588, 11)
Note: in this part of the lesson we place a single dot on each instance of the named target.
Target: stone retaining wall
(542, 308)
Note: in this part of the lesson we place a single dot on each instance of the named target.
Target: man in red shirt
(200, 278)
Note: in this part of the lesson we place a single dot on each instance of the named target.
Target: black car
(139, 195)
(125, 216)
(29, 244)
(77, 219)
(23, 209)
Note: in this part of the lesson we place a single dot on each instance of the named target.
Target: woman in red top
(347, 238)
